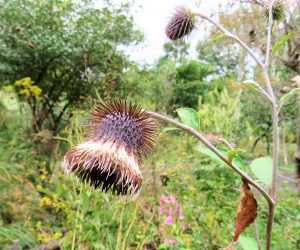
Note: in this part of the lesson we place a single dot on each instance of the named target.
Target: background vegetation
(60, 58)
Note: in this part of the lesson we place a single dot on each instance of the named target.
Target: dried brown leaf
(247, 211)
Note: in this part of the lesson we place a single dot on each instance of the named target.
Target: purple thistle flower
(120, 136)
(181, 24)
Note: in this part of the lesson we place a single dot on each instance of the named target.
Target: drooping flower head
(120, 135)
(181, 24)
(279, 10)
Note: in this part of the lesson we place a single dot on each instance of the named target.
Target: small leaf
(263, 169)
(248, 243)
(282, 42)
(189, 117)
(247, 211)
(217, 39)
(238, 161)
(233, 152)
(287, 96)
(254, 86)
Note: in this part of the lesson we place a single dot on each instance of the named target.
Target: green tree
(189, 84)
(69, 49)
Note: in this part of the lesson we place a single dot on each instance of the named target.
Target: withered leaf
(247, 211)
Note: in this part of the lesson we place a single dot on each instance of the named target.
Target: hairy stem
(216, 151)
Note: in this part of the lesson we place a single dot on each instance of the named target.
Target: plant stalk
(275, 110)
(216, 151)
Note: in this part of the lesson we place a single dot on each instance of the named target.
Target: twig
(215, 150)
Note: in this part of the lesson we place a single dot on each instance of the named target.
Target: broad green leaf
(247, 243)
(211, 154)
(238, 161)
(189, 117)
(282, 42)
(287, 96)
(163, 246)
(263, 169)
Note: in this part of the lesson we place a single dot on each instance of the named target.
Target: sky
(151, 17)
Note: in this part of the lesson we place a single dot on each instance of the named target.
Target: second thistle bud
(181, 24)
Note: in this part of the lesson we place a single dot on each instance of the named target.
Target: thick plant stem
(270, 225)
(216, 151)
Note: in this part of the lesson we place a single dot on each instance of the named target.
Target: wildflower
(170, 241)
(163, 200)
(168, 220)
(120, 136)
(170, 211)
(181, 24)
(279, 10)
(172, 199)
(161, 211)
(57, 235)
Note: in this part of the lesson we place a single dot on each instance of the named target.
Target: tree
(189, 85)
(176, 51)
(69, 50)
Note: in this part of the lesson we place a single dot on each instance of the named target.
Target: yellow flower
(8, 88)
(43, 177)
(38, 224)
(57, 235)
(25, 92)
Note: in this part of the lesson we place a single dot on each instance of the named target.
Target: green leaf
(251, 85)
(211, 154)
(263, 169)
(233, 152)
(163, 246)
(189, 117)
(284, 98)
(217, 39)
(282, 42)
(238, 161)
(247, 243)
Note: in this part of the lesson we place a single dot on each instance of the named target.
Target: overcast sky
(151, 17)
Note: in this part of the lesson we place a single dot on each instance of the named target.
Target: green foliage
(247, 243)
(283, 41)
(263, 169)
(69, 49)
(189, 84)
(219, 113)
(189, 117)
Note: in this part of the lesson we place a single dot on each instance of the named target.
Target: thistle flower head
(181, 24)
(120, 136)
(278, 10)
